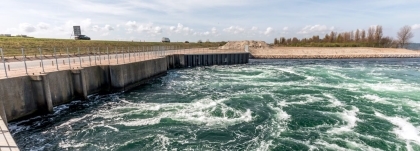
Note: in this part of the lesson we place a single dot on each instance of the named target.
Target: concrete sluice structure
(25, 96)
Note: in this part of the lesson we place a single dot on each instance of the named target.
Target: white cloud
(315, 29)
(254, 28)
(43, 26)
(214, 30)
(234, 29)
(149, 28)
(415, 26)
(27, 28)
(108, 27)
(157, 30)
(285, 28)
(180, 29)
(86, 22)
(268, 31)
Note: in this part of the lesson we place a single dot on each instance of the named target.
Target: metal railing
(69, 58)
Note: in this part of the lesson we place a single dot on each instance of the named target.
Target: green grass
(12, 45)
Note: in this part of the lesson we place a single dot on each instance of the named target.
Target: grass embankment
(12, 45)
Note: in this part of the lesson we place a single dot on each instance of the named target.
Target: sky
(213, 20)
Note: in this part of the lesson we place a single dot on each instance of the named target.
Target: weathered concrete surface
(61, 86)
(17, 97)
(96, 79)
(124, 77)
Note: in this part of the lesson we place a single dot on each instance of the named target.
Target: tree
(363, 35)
(357, 36)
(276, 42)
(371, 34)
(333, 36)
(404, 36)
(378, 34)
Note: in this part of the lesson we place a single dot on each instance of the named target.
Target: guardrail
(47, 61)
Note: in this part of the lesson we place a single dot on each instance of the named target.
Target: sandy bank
(332, 53)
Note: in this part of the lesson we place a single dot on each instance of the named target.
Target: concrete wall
(17, 97)
(194, 60)
(38, 94)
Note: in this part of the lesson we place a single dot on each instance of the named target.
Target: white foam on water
(330, 146)
(353, 145)
(393, 87)
(376, 99)
(264, 146)
(72, 121)
(290, 70)
(334, 101)
(340, 75)
(162, 140)
(113, 128)
(198, 112)
(404, 129)
(141, 122)
(71, 144)
(305, 99)
(350, 116)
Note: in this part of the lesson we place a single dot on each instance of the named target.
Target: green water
(264, 105)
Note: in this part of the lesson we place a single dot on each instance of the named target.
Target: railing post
(68, 57)
(94, 54)
(24, 60)
(129, 54)
(100, 60)
(116, 53)
(42, 62)
(80, 60)
(90, 61)
(107, 51)
(4, 63)
(123, 52)
(55, 56)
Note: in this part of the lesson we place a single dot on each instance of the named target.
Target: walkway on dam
(7, 143)
(50, 63)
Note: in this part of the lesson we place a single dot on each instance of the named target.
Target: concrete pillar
(236, 58)
(232, 58)
(42, 93)
(210, 59)
(246, 57)
(205, 59)
(214, 59)
(241, 61)
(79, 83)
(180, 61)
(190, 60)
(200, 60)
(229, 60)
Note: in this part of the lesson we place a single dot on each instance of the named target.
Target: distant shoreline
(331, 53)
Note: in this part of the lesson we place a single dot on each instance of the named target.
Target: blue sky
(215, 20)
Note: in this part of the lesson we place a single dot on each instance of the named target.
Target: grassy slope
(11, 45)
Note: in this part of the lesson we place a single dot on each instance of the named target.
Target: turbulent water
(264, 105)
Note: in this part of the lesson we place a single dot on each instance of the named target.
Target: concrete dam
(30, 95)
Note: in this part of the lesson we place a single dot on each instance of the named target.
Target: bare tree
(404, 36)
(357, 36)
(370, 34)
(363, 35)
(378, 34)
(333, 36)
